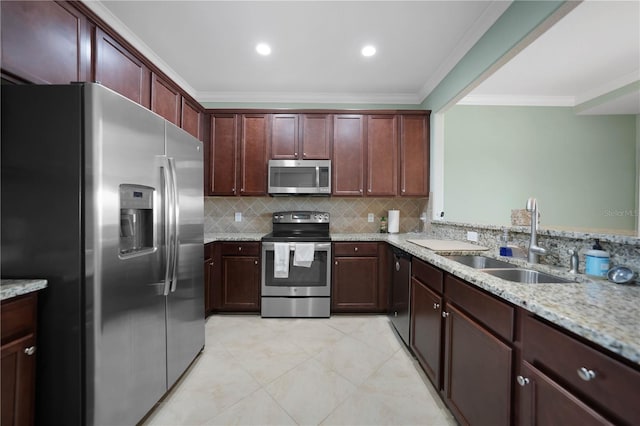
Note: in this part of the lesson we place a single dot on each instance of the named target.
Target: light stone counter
(602, 312)
(12, 288)
(238, 236)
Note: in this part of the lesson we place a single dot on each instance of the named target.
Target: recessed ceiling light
(368, 51)
(263, 49)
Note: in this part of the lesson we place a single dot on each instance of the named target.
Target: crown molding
(293, 97)
(123, 30)
(608, 87)
(518, 100)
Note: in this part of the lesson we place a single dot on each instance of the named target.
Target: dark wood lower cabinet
(426, 329)
(355, 284)
(234, 271)
(478, 371)
(545, 402)
(18, 365)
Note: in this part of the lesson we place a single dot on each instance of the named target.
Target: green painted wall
(582, 169)
(513, 26)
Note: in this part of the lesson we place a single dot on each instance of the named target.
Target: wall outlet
(238, 217)
(472, 236)
(370, 218)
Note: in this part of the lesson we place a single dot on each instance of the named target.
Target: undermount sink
(480, 262)
(528, 276)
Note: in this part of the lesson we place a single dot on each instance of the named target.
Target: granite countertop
(12, 288)
(602, 312)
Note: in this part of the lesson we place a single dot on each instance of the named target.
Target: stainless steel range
(296, 266)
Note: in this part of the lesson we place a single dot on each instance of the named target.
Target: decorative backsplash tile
(348, 215)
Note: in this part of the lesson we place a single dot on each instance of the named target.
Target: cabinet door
(348, 155)
(284, 137)
(426, 329)
(477, 382)
(355, 284)
(414, 155)
(119, 70)
(190, 119)
(165, 99)
(44, 42)
(222, 154)
(315, 136)
(18, 381)
(240, 283)
(382, 155)
(253, 154)
(545, 402)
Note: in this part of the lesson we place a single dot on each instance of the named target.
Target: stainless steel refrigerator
(104, 199)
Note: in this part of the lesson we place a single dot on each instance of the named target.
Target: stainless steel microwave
(300, 177)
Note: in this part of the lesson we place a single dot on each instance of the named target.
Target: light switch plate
(472, 236)
(238, 217)
(370, 217)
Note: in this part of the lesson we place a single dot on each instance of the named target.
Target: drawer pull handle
(445, 314)
(586, 374)
(30, 350)
(522, 381)
(436, 306)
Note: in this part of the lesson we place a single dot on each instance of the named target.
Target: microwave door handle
(317, 176)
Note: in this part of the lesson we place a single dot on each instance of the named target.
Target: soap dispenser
(596, 261)
(505, 250)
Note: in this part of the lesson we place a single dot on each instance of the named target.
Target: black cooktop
(299, 226)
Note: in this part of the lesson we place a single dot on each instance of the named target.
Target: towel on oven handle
(281, 260)
(304, 255)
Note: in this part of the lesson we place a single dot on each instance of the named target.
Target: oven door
(302, 282)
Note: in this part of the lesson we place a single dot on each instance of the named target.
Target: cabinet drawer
(494, 314)
(18, 317)
(614, 386)
(355, 249)
(240, 249)
(427, 274)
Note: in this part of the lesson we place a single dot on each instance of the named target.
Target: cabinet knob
(355, 249)
(522, 381)
(255, 262)
(586, 374)
(445, 314)
(361, 190)
(295, 153)
(304, 154)
(30, 350)
(211, 264)
(436, 306)
(239, 248)
(369, 189)
(336, 262)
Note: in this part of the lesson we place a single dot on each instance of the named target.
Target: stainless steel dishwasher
(400, 293)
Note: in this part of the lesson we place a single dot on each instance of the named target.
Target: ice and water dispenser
(136, 219)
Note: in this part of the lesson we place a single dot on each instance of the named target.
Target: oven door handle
(317, 246)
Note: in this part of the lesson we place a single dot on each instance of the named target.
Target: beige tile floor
(344, 370)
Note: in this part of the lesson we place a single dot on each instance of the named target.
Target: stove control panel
(301, 217)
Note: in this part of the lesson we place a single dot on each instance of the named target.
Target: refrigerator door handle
(169, 223)
(175, 219)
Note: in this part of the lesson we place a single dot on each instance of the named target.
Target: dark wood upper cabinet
(348, 154)
(414, 155)
(254, 146)
(191, 119)
(44, 42)
(118, 69)
(382, 155)
(315, 136)
(284, 137)
(223, 155)
(165, 99)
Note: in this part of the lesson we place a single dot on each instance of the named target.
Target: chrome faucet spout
(534, 250)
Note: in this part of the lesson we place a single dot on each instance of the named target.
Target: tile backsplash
(348, 215)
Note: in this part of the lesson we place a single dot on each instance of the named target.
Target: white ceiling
(592, 51)
(208, 47)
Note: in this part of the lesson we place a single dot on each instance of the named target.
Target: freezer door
(125, 304)
(185, 301)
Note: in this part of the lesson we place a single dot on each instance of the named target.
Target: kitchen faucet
(534, 249)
